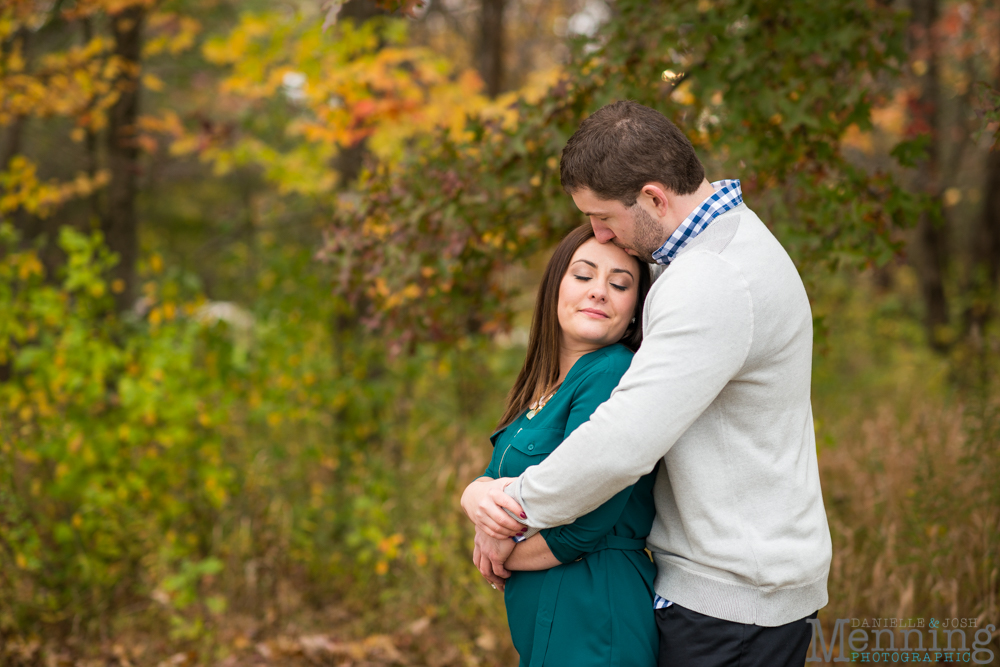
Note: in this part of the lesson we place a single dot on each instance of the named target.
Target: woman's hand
(489, 556)
(484, 502)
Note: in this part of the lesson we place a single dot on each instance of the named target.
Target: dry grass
(911, 501)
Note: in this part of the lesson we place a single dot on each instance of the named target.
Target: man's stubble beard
(646, 235)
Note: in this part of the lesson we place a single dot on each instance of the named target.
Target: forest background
(266, 269)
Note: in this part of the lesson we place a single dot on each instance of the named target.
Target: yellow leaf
(682, 94)
(152, 82)
(855, 138)
(29, 266)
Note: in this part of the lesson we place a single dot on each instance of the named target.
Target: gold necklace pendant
(538, 405)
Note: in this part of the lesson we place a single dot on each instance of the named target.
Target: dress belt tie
(550, 590)
(620, 543)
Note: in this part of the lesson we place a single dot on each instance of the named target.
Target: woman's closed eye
(620, 288)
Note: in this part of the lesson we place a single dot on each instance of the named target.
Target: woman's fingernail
(523, 515)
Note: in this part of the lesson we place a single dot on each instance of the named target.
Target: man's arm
(698, 337)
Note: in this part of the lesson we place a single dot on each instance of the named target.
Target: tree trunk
(991, 219)
(491, 45)
(120, 221)
(985, 270)
(985, 251)
(13, 135)
(351, 159)
(90, 139)
(11, 145)
(931, 240)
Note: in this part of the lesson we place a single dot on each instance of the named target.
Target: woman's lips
(594, 313)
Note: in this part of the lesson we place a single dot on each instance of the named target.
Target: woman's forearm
(532, 554)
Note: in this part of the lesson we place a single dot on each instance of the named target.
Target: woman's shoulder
(611, 360)
(616, 356)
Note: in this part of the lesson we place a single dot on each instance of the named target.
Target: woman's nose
(598, 292)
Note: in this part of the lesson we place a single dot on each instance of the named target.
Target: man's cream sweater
(718, 397)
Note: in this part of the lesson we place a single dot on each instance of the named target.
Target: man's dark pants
(690, 639)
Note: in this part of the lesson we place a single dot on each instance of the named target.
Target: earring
(633, 321)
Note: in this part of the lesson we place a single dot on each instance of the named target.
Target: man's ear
(656, 196)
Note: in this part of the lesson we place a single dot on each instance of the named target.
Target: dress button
(531, 446)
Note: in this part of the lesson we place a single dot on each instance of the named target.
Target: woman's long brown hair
(540, 371)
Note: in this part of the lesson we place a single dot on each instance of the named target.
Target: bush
(196, 457)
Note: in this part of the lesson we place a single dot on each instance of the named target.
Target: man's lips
(595, 313)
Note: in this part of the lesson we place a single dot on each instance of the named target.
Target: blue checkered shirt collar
(728, 195)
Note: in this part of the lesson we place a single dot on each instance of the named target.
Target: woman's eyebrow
(589, 263)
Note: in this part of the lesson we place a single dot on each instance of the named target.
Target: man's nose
(601, 232)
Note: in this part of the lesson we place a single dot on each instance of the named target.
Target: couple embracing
(671, 416)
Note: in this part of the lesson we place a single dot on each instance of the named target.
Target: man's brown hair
(625, 145)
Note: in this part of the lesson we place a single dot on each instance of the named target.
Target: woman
(580, 594)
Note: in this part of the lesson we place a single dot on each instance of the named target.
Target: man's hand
(489, 556)
(483, 502)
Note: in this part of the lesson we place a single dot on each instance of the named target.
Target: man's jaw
(648, 257)
(629, 250)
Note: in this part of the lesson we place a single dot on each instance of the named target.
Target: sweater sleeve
(571, 541)
(697, 338)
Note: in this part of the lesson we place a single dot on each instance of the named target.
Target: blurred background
(266, 271)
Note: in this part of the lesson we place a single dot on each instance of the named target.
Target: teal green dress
(596, 608)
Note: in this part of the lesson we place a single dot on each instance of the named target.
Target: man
(717, 396)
